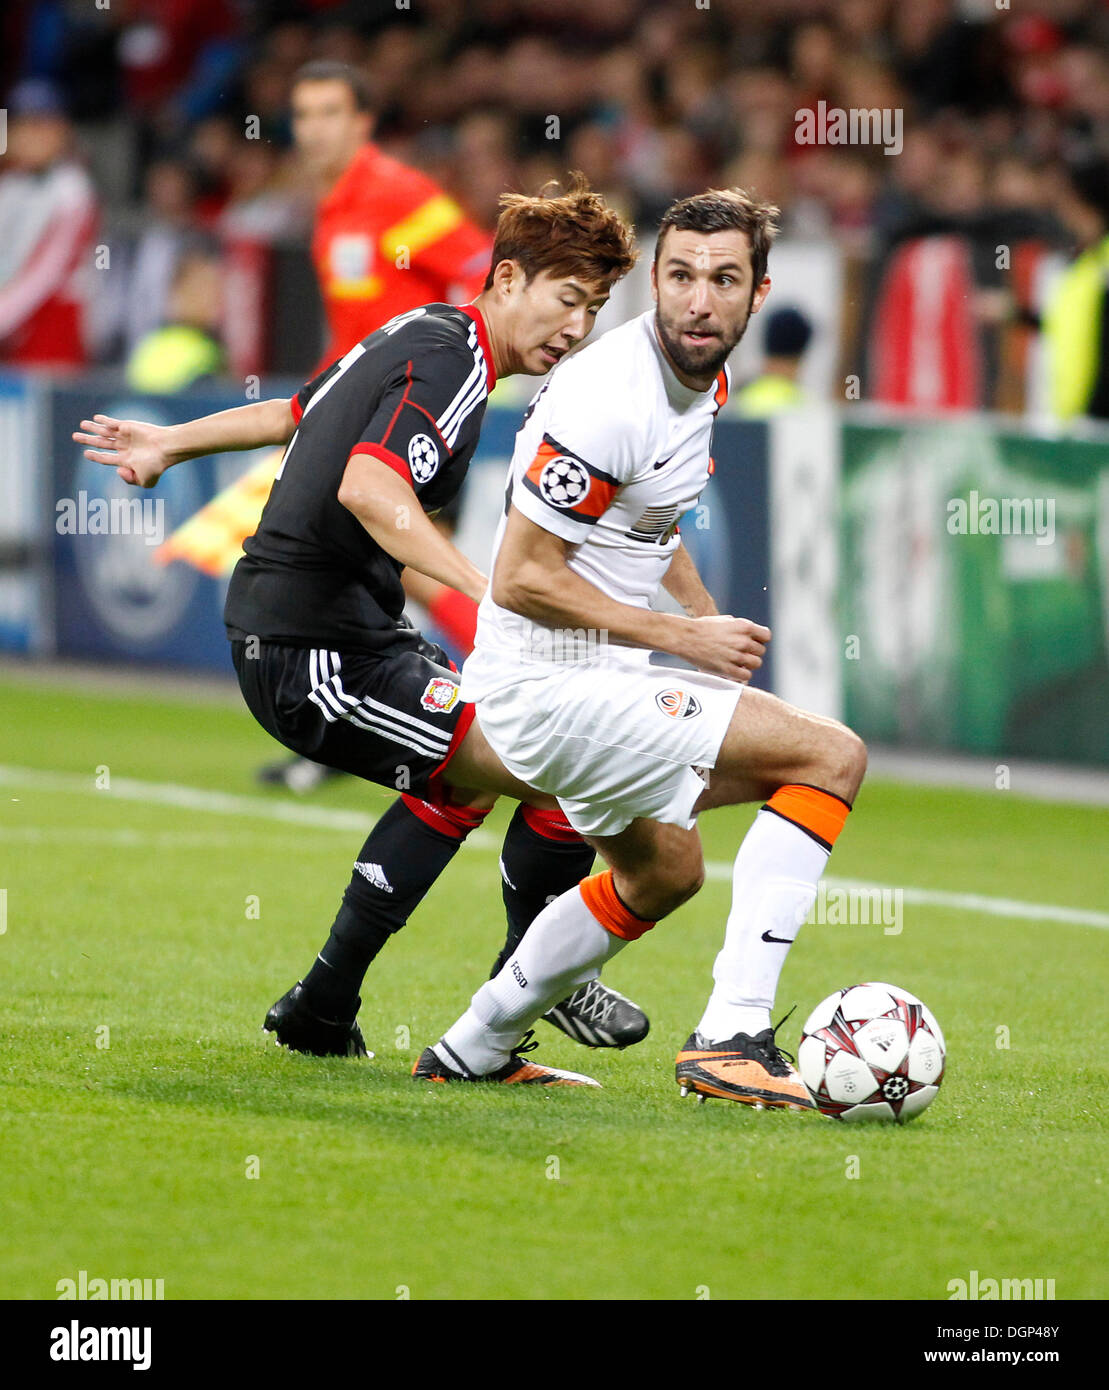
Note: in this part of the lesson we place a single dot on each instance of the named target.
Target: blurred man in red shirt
(47, 225)
(387, 238)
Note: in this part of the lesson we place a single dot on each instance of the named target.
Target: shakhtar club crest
(678, 704)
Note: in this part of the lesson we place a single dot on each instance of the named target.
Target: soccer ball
(871, 1052)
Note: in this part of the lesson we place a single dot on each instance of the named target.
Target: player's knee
(691, 883)
(856, 760)
(845, 754)
(672, 884)
(473, 800)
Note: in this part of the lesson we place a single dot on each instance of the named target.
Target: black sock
(535, 869)
(401, 859)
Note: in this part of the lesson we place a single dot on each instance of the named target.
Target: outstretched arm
(140, 453)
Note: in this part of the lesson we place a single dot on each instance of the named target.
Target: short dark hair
(564, 234)
(326, 70)
(788, 332)
(725, 210)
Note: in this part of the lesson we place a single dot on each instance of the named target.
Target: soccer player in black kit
(326, 660)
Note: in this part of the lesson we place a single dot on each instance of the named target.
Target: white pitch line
(134, 838)
(200, 799)
(1002, 907)
(964, 902)
(327, 818)
(186, 798)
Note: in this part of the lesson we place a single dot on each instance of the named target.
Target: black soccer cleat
(515, 1072)
(751, 1070)
(599, 1017)
(296, 1027)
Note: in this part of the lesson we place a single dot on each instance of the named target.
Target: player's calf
(655, 868)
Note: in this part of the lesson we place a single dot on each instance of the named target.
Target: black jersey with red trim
(412, 394)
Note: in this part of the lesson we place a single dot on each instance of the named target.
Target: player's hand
(726, 646)
(136, 451)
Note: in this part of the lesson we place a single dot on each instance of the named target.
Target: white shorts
(614, 741)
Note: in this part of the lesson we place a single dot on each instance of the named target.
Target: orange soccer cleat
(751, 1070)
(515, 1072)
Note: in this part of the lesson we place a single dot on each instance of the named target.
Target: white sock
(773, 889)
(564, 947)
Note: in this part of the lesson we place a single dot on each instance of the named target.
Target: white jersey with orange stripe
(613, 451)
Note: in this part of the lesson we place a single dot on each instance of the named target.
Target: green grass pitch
(149, 1131)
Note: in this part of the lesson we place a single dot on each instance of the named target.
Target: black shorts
(394, 719)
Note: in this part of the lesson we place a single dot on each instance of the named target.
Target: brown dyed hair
(564, 234)
(726, 210)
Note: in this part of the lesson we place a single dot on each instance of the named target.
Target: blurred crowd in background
(165, 126)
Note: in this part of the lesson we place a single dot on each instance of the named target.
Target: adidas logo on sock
(376, 875)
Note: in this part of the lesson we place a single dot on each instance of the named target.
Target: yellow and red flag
(212, 539)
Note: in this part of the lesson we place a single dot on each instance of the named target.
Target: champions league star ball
(871, 1052)
(564, 482)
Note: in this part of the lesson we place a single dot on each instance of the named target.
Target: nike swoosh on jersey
(661, 463)
(781, 940)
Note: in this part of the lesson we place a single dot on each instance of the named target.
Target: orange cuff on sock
(600, 897)
(822, 814)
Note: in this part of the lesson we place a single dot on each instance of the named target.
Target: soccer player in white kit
(614, 449)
